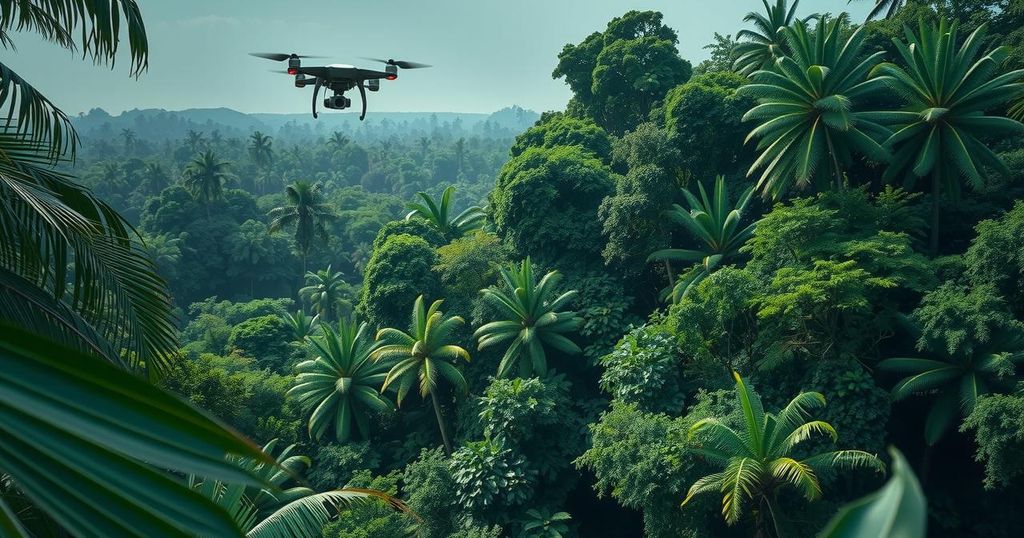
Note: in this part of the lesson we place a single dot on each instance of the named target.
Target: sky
(487, 54)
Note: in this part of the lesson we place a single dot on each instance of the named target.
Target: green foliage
(415, 227)
(270, 511)
(702, 118)
(370, 520)
(205, 177)
(301, 325)
(618, 75)
(758, 458)
(336, 465)
(898, 509)
(544, 524)
(339, 388)
(996, 256)
(266, 339)
(253, 401)
(489, 476)
(640, 459)
(833, 225)
(431, 487)
(819, 312)
(858, 408)
(644, 370)
(468, 265)
(957, 320)
(809, 121)
(531, 320)
(711, 222)
(605, 307)
(559, 129)
(398, 272)
(997, 424)
(540, 192)
(257, 256)
(976, 345)
(715, 326)
(631, 217)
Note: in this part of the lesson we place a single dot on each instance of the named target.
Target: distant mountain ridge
(160, 124)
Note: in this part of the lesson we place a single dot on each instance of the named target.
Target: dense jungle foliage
(702, 300)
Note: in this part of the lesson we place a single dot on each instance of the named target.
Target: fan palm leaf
(532, 322)
(956, 381)
(712, 222)
(761, 46)
(947, 89)
(339, 388)
(86, 442)
(809, 126)
(437, 213)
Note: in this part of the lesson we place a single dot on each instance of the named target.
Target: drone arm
(316, 93)
(362, 94)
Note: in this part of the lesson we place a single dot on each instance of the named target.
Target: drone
(338, 78)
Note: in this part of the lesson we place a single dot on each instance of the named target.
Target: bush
(268, 339)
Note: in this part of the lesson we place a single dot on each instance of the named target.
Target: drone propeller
(399, 63)
(279, 56)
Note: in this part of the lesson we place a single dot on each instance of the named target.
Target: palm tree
(307, 212)
(437, 214)
(338, 140)
(110, 301)
(339, 387)
(301, 325)
(423, 354)
(129, 138)
(459, 149)
(155, 177)
(194, 140)
(808, 124)
(205, 177)
(956, 381)
(947, 90)
(758, 460)
(761, 46)
(711, 222)
(270, 511)
(325, 292)
(890, 7)
(532, 320)
(261, 149)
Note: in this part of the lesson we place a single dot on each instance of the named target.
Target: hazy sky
(487, 54)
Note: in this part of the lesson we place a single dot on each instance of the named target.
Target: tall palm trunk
(933, 245)
(441, 425)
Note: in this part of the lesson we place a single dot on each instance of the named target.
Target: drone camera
(337, 102)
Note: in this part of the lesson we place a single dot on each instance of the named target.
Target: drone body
(339, 78)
